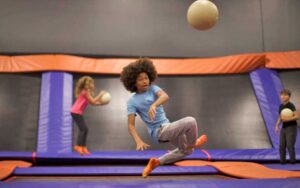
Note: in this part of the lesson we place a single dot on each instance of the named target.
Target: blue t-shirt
(140, 103)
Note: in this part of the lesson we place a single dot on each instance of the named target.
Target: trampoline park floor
(94, 176)
(99, 170)
(207, 181)
(118, 179)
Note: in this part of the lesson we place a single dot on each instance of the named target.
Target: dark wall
(146, 27)
(225, 108)
(281, 25)
(19, 107)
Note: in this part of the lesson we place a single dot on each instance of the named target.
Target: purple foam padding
(16, 155)
(153, 183)
(55, 123)
(245, 155)
(128, 170)
(109, 157)
(292, 167)
(113, 170)
(267, 86)
(255, 155)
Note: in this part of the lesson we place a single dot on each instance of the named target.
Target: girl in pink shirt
(84, 92)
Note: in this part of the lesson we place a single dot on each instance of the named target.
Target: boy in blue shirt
(147, 101)
(288, 133)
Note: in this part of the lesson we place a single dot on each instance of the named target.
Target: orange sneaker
(79, 149)
(152, 164)
(200, 141)
(86, 151)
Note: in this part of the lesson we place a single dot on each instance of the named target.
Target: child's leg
(152, 164)
(291, 135)
(282, 146)
(173, 156)
(82, 132)
(183, 134)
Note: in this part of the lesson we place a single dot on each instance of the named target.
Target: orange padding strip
(243, 169)
(283, 60)
(7, 167)
(220, 65)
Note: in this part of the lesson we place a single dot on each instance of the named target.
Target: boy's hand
(152, 112)
(142, 146)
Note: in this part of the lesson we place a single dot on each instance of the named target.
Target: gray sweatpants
(288, 137)
(181, 133)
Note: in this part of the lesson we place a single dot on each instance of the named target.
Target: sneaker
(86, 151)
(200, 141)
(79, 149)
(152, 164)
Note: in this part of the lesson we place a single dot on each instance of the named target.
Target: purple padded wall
(267, 86)
(55, 123)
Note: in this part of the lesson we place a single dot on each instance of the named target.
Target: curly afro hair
(131, 72)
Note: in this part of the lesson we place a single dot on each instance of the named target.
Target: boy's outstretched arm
(140, 145)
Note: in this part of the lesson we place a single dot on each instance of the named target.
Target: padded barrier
(129, 170)
(219, 65)
(254, 155)
(112, 170)
(15, 155)
(267, 86)
(8, 167)
(243, 169)
(55, 122)
(244, 183)
(291, 167)
(141, 157)
(283, 60)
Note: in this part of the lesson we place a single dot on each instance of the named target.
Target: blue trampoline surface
(129, 170)
(244, 183)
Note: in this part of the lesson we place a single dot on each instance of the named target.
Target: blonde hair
(82, 84)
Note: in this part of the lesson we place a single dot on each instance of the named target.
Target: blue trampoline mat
(254, 155)
(128, 170)
(238, 183)
(234, 154)
(15, 155)
(112, 170)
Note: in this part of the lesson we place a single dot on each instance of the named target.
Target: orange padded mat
(243, 169)
(7, 167)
